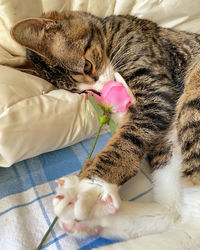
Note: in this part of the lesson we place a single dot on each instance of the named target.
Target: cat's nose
(96, 78)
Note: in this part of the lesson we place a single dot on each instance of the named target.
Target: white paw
(80, 203)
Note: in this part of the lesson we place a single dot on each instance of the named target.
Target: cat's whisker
(115, 49)
(125, 53)
(117, 65)
(118, 51)
(120, 67)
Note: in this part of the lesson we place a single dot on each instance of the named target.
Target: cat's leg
(101, 215)
(183, 237)
(188, 126)
(166, 160)
(166, 211)
(148, 218)
(133, 220)
(179, 155)
(97, 211)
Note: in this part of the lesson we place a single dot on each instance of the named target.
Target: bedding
(36, 118)
(27, 190)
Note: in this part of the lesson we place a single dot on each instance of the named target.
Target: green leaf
(113, 126)
(95, 104)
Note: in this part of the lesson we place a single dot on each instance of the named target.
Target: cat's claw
(80, 204)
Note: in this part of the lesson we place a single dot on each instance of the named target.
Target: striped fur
(156, 64)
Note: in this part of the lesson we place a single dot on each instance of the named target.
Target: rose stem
(56, 218)
(47, 233)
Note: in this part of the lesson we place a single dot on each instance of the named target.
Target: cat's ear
(30, 33)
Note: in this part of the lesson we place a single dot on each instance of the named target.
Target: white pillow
(34, 116)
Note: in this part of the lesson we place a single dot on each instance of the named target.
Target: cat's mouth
(90, 90)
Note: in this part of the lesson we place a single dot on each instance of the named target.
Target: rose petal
(107, 86)
(114, 94)
(98, 97)
(118, 98)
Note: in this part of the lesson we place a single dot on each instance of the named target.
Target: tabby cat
(78, 51)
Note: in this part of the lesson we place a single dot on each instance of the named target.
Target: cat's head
(68, 50)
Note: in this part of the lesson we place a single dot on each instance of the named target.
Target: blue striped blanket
(26, 192)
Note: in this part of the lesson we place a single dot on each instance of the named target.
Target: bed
(47, 133)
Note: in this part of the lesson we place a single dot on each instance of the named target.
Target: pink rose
(114, 95)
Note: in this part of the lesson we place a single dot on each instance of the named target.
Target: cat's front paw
(80, 204)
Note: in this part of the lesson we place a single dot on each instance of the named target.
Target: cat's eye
(88, 67)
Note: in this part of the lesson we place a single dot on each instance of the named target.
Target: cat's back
(144, 42)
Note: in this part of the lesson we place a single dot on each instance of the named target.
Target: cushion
(34, 116)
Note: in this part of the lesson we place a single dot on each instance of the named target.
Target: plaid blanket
(26, 192)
